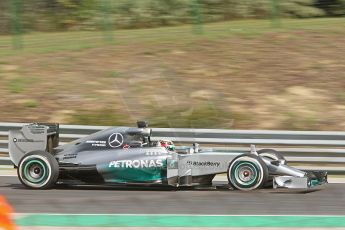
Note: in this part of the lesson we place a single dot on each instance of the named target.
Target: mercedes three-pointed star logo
(115, 140)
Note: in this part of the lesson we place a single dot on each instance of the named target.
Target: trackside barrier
(308, 149)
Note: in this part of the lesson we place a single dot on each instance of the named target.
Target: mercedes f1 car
(129, 156)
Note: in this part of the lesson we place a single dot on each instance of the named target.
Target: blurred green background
(265, 64)
(62, 15)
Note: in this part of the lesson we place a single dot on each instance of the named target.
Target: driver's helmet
(169, 145)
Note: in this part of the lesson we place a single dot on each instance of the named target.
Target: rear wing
(36, 136)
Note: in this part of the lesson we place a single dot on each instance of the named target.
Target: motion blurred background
(263, 64)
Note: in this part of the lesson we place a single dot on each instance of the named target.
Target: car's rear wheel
(247, 172)
(272, 154)
(38, 170)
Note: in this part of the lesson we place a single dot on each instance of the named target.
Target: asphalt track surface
(326, 200)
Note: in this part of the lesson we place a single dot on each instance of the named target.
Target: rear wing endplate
(37, 136)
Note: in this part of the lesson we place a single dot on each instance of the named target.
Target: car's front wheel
(38, 170)
(247, 172)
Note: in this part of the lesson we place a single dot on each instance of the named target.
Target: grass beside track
(238, 74)
(74, 41)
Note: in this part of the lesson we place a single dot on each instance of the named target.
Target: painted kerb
(104, 220)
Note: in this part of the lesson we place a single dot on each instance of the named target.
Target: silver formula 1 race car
(129, 156)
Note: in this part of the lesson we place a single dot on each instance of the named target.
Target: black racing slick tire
(247, 172)
(272, 154)
(38, 170)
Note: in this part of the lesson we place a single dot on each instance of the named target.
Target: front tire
(38, 170)
(247, 172)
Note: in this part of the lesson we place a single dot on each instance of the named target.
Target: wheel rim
(35, 171)
(246, 173)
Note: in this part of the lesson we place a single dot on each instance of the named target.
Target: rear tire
(247, 172)
(38, 170)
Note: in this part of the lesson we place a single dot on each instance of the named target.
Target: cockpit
(141, 137)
